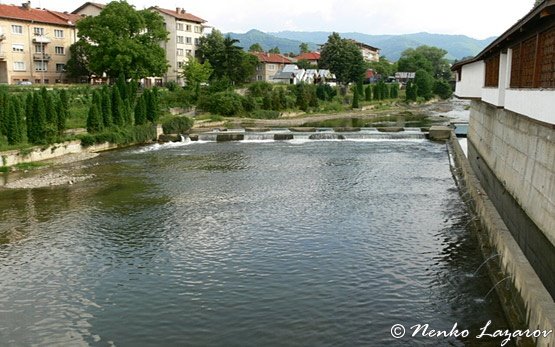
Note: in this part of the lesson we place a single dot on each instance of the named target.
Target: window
(198, 29)
(38, 31)
(180, 39)
(197, 42)
(39, 48)
(59, 34)
(188, 40)
(179, 64)
(17, 48)
(546, 68)
(17, 29)
(189, 52)
(179, 52)
(492, 71)
(59, 50)
(271, 67)
(19, 66)
(60, 67)
(41, 66)
(188, 27)
(180, 26)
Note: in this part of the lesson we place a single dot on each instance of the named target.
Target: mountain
(457, 46)
(268, 41)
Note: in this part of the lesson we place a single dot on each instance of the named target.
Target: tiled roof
(69, 17)
(309, 56)
(272, 58)
(95, 4)
(32, 15)
(181, 14)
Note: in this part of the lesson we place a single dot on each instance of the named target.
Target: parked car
(24, 83)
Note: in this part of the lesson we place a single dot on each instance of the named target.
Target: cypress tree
(29, 116)
(276, 105)
(140, 111)
(266, 102)
(63, 112)
(117, 108)
(3, 111)
(313, 98)
(94, 120)
(368, 93)
(282, 98)
(106, 107)
(38, 135)
(122, 87)
(355, 98)
(152, 105)
(10, 119)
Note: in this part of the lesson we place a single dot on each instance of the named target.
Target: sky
(475, 18)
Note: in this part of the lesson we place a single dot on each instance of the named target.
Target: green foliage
(412, 91)
(256, 47)
(94, 119)
(118, 111)
(427, 58)
(152, 102)
(343, 58)
(106, 107)
(196, 73)
(368, 93)
(249, 103)
(77, 65)
(383, 67)
(36, 124)
(356, 97)
(227, 60)
(325, 92)
(121, 136)
(425, 83)
(140, 111)
(259, 89)
(274, 50)
(443, 89)
(303, 48)
(303, 96)
(122, 40)
(177, 125)
(222, 103)
(63, 111)
(394, 90)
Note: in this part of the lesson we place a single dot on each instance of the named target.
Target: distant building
(34, 44)
(268, 65)
(311, 57)
(89, 9)
(369, 53)
(185, 31)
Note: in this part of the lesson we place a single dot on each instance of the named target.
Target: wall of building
(514, 158)
(471, 81)
(29, 59)
(535, 103)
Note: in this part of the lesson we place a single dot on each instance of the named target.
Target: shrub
(177, 125)
(259, 89)
(443, 89)
(223, 103)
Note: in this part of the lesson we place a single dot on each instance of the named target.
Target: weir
(320, 134)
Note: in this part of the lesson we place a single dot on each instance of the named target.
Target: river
(294, 243)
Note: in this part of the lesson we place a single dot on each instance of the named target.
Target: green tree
(106, 107)
(78, 65)
(229, 61)
(343, 58)
(37, 134)
(368, 93)
(118, 116)
(256, 47)
(196, 73)
(12, 124)
(63, 111)
(425, 83)
(274, 50)
(122, 40)
(356, 98)
(152, 104)
(411, 91)
(443, 89)
(94, 120)
(427, 58)
(383, 67)
(140, 111)
(303, 48)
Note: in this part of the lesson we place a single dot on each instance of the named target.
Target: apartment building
(34, 44)
(185, 31)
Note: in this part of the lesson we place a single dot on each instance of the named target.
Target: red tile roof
(180, 15)
(69, 17)
(272, 58)
(309, 56)
(14, 12)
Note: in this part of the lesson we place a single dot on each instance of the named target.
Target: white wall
(472, 81)
(534, 103)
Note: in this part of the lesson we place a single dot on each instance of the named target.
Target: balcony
(41, 57)
(41, 39)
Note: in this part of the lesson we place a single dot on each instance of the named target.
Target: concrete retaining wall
(525, 299)
(11, 158)
(514, 158)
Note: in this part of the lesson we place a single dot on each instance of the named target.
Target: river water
(299, 243)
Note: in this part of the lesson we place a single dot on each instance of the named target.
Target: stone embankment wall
(513, 156)
(524, 297)
(11, 158)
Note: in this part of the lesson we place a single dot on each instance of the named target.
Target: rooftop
(28, 14)
(180, 13)
(309, 56)
(272, 58)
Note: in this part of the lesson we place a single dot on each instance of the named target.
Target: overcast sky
(474, 18)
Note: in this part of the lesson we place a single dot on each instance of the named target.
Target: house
(34, 44)
(511, 137)
(89, 9)
(268, 65)
(311, 57)
(185, 31)
(369, 53)
(290, 74)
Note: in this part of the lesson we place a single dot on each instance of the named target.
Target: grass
(29, 166)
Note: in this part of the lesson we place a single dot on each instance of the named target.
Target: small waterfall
(259, 137)
(385, 136)
(207, 137)
(326, 136)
